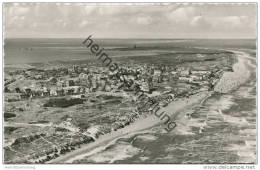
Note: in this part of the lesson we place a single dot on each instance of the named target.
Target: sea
(222, 129)
(44, 50)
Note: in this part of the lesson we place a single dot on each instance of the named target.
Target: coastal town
(78, 81)
(130, 83)
(70, 105)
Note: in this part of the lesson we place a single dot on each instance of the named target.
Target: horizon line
(133, 38)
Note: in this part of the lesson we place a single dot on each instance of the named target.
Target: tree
(17, 89)
(6, 90)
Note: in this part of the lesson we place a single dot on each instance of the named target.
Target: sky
(125, 20)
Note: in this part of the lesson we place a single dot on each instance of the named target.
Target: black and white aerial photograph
(129, 83)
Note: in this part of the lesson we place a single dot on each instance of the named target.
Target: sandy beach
(228, 81)
(231, 80)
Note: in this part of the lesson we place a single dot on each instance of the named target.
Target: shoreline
(174, 109)
(230, 81)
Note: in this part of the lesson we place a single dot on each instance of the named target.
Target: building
(185, 79)
(61, 84)
(52, 80)
(53, 92)
(38, 77)
(45, 93)
(174, 73)
(200, 72)
(145, 87)
(70, 83)
(60, 92)
(74, 90)
(157, 72)
(83, 76)
(24, 96)
(185, 72)
(196, 77)
(108, 88)
(78, 96)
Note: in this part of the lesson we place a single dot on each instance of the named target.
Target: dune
(228, 81)
(141, 124)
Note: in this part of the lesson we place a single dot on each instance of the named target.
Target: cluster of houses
(193, 76)
(79, 80)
